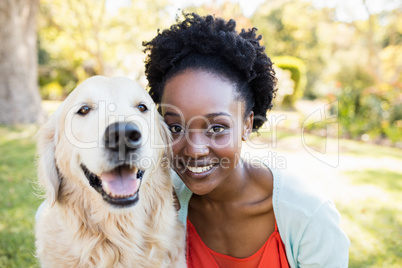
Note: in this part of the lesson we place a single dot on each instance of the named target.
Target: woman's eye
(216, 129)
(84, 110)
(142, 108)
(176, 129)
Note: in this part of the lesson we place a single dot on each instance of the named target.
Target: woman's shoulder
(183, 194)
(308, 222)
(260, 178)
(293, 192)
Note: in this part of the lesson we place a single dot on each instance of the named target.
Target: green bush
(393, 126)
(56, 81)
(52, 91)
(57, 78)
(298, 75)
(358, 109)
(366, 108)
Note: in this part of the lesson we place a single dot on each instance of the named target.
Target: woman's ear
(248, 126)
(47, 171)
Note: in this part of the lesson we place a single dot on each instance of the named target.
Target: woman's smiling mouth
(200, 169)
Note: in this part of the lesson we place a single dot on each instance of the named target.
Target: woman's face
(207, 125)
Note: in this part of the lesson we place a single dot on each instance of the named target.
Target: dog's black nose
(122, 135)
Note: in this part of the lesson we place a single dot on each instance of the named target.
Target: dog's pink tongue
(120, 182)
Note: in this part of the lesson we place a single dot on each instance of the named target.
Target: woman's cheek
(226, 140)
(177, 142)
(176, 147)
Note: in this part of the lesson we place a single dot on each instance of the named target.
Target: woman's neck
(231, 190)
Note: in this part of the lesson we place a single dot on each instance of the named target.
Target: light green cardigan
(308, 223)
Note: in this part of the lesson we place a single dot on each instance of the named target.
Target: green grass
(372, 219)
(18, 203)
(359, 148)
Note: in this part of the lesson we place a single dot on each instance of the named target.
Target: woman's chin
(199, 186)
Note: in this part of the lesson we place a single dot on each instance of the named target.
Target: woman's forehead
(200, 92)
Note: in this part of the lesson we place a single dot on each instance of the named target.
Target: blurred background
(337, 117)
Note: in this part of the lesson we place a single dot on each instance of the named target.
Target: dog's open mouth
(119, 187)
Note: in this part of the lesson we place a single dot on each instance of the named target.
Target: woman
(215, 86)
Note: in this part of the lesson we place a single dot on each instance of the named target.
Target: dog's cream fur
(78, 228)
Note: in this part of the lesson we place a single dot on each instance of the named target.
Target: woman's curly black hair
(213, 45)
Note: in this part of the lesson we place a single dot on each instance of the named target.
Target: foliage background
(356, 61)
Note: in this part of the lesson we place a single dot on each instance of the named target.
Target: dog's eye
(84, 110)
(142, 108)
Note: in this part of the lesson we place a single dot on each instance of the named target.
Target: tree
(227, 10)
(78, 39)
(19, 96)
(293, 28)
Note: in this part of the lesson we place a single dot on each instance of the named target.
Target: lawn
(374, 221)
(18, 201)
(366, 186)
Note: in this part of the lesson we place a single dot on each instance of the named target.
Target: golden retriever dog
(103, 162)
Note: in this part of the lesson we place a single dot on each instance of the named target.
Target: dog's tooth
(136, 172)
(105, 187)
(134, 169)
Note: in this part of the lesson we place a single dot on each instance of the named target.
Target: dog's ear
(47, 171)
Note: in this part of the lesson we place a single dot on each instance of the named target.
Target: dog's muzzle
(119, 186)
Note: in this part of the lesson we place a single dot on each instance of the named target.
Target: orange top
(272, 254)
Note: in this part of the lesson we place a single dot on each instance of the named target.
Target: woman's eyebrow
(211, 115)
(171, 114)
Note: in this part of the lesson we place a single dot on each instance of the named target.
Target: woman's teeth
(200, 169)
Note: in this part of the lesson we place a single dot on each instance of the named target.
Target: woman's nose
(196, 145)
